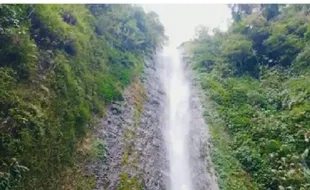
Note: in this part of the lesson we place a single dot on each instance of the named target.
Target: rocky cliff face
(132, 135)
(203, 173)
(135, 149)
(202, 170)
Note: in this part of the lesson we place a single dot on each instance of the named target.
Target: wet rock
(142, 142)
(203, 174)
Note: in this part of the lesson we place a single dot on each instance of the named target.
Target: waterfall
(177, 122)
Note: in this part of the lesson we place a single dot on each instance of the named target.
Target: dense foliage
(257, 76)
(59, 65)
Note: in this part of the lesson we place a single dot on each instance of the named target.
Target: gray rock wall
(131, 129)
(203, 173)
(133, 138)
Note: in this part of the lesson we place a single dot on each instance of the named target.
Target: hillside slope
(256, 78)
(59, 66)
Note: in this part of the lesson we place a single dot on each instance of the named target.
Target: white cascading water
(177, 119)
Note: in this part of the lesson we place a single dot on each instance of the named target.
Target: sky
(181, 20)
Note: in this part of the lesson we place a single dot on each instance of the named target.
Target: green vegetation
(256, 76)
(129, 183)
(60, 64)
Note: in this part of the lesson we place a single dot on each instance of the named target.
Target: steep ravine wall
(135, 149)
(203, 173)
(134, 143)
(202, 169)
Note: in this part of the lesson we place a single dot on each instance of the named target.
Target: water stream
(176, 130)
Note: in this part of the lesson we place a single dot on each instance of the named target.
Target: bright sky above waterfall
(180, 20)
